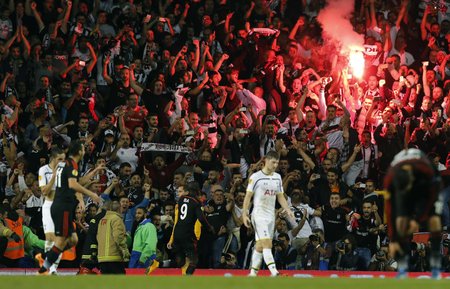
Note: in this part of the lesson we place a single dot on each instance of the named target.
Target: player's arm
(81, 203)
(246, 207)
(201, 217)
(173, 228)
(74, 185)
(46, 188)
(282, 200)
(92, 173)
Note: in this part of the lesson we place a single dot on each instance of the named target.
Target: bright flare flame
(356, 62)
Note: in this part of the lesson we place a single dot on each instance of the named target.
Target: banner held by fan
(161, 147)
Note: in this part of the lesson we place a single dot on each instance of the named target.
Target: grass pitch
(175, 282)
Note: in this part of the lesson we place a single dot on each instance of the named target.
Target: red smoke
(335, 20)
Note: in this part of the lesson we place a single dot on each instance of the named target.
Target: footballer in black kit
(65, 202)
(183, 239)
(416, 201)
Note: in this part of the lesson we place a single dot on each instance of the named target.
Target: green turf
(138, 282)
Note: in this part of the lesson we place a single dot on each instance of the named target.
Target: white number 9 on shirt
(183, 211)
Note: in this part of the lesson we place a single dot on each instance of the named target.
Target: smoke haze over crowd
(335, 20)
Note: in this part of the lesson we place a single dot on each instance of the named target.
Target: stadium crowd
(213, 85)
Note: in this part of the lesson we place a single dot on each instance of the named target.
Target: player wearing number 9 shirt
(183, 239)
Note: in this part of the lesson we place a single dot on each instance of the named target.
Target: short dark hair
(331, 106)
(335, 194)
(334, 171)
(125, 164)
(142, 208)
(192, 187)
(284, 235)
(55, 152)
(336, 149)
(92, 205)
(273, 155)
(169, 204)
(135, 174)
(75, 148)
(366, 201)
(179, 172)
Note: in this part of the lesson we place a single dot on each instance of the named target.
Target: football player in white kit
(266, 187)
(47, 185)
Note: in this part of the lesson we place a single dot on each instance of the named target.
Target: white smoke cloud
(335, 20)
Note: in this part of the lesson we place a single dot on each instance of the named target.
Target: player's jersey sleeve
(42, 178)
(251, 183)
(280, 185)
(201, 218)
(174, 223)
(71, 172)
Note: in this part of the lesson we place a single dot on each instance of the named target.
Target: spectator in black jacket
(285, 255)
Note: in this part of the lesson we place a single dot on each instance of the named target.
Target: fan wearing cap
(189, 142)
(109, 133)
(107, 146)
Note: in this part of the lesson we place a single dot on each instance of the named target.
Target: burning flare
(356, 62)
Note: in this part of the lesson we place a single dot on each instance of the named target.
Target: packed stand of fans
(230, 80)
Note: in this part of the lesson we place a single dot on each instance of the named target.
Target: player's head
(76, 149)
(192, 188)
(181, 191)
(409, 154)
(272, 159)
(57, 155)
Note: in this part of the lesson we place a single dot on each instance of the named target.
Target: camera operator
(381, 261)
(285, 255)
(446, 261)
(345, 257)
(419, 260)
(228, 261)
(314, 252)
